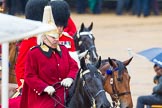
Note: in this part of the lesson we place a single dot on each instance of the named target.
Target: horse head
(89, 92)
(84, 40)
(117, 81)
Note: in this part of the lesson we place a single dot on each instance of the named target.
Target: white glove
(67, 82)
(66, 34)
(21, 86)
(50, 90)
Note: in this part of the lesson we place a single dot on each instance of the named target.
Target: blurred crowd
(135, 7)
(14, 7)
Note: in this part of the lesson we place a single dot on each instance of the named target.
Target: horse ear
(127, 61)
(82, 63)
(111, 62)
(83, 54)
(82, 27)
(90, 27)
(98, 63)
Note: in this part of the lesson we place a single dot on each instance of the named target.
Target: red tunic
(14, 102)
(43, 69)
(0, 48)
(70, 28)
(67, 36)
(24, 47)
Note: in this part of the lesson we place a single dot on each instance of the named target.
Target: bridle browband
(89, 33)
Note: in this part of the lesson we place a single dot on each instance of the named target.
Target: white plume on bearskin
(48, 19)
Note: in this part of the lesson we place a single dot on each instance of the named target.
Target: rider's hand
(67, 82)
(65, 33)
(21, 86)
(50, 90)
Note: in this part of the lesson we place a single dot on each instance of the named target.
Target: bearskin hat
(61, 12)
(34, 9)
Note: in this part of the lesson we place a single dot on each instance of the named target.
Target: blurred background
(120, 7)
(121, 29)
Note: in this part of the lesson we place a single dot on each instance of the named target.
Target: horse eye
(129, 77)
(120, 79)
(88, 77)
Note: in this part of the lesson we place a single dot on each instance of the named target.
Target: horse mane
(105, 61)
(120, 67)
(13, 51)
(76, 40)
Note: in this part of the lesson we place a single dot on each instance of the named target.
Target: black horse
(84, 40)
(87, 90)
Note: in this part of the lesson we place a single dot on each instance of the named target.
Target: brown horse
(12, 77)
(12, 61)
(117, 81)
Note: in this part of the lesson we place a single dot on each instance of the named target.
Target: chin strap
(48, 40)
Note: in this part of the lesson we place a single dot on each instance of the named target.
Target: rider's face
(158, 70)
(60, 29)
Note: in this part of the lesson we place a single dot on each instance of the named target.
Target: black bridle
(90, 35)
(83, 47)
(86, 87)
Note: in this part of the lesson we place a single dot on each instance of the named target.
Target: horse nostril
(94, 59)
(104, 106)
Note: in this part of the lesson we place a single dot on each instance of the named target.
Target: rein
(85, 85)
(93, 97)
(57, 99)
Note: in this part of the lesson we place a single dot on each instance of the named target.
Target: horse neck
(12, 61)
(12, 54)
(76, 41)
(79, 99)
